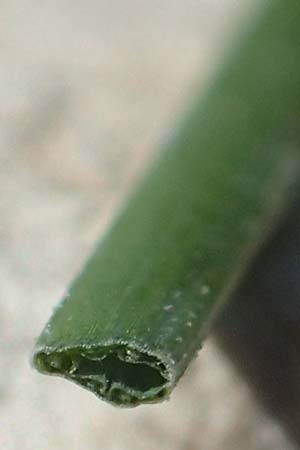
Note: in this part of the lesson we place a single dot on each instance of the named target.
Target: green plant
(141, 307)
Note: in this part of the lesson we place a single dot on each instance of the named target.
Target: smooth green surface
(138, 312)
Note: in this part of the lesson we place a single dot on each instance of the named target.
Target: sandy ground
(87, 92)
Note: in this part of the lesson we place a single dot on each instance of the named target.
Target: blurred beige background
(88, 89)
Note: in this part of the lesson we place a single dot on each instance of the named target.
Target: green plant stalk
(138, 312)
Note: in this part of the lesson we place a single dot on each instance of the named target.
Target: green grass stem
(138, 312)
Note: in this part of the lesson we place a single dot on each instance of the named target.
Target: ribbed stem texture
(139, 310)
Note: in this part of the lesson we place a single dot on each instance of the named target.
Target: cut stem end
(120, 374)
